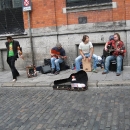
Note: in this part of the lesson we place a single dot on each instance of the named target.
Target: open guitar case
(65, 84)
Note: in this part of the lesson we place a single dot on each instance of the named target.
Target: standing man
(86, 50)
(13, 49)
(118, 54)
(57, 56)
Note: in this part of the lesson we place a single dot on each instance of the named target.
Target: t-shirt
(85, 47)
(11, 52)
(61, 50)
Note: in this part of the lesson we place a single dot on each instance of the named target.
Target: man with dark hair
(118, 54)
(13, 49)
(57, 57)
(86, 50)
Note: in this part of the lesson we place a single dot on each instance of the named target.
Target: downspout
(30, 37)
(56, 21)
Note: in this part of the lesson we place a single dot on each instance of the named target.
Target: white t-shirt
(85, 47)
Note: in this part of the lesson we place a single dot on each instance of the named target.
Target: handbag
(45, 69)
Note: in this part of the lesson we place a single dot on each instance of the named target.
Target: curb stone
(47, 84)
(113, 83)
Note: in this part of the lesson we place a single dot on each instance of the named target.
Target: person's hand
(122, 51)
(106, 49)
(118, 50)
(64, 57)
(84, 58)
(89, 58)
(52, 55)
(21, 56)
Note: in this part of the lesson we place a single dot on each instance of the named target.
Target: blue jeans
(119, 63)
(55, 63)
(79, 58)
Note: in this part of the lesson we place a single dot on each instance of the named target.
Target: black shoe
(57, 72)
(52, 71)
(117, 74)
(104, 72)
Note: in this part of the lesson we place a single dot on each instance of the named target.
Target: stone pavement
(42, 108)
(46, 80)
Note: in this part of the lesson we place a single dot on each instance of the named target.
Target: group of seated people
(87, 51)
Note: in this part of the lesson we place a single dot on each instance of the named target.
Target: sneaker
(57, 72)
(14, 80)
(94, 70)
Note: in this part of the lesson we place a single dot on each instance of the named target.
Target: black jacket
(15, 46)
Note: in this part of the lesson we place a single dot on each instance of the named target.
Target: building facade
(66, 21)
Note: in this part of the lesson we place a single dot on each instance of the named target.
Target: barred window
(70, 3)
(11, 17)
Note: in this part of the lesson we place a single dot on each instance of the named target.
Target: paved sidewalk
(46, 80)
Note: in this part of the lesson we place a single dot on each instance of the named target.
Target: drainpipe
(56, 20)
(30, 38)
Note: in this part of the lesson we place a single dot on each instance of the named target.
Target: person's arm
(91, 53)
(122, 49)
(82, 54)
(19, 51)
(106, 46)
(63, 55)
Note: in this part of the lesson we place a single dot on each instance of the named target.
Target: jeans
(55, 63)
(79, 58)
(11, 62)
(119, 63)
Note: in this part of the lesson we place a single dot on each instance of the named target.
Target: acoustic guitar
(55, 53)
(110, 51)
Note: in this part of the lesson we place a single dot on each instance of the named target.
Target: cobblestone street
(46, 109)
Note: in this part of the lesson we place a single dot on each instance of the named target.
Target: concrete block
(26, 84)
(92, 83)
(113, 83)
(43, 84)
(10, 84)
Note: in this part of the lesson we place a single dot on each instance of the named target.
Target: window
(70, 3)
(11, 17)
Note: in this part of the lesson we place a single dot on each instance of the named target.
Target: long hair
(84, 37)
(118, 35)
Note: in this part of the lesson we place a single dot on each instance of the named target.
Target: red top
(120, 46)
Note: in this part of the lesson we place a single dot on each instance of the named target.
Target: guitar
(109, 51)
(55, 53)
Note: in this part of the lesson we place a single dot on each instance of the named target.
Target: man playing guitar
(118, 54)
(57, 56)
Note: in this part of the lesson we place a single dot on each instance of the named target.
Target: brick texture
(48, 13)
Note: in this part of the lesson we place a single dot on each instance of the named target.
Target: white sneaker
(14, 80)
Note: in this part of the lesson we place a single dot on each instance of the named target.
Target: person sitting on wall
(57, 57)
(117, 54)
(86, 50)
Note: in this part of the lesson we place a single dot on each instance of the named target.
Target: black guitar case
(65, 84)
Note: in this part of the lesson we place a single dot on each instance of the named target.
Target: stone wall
(69, 36)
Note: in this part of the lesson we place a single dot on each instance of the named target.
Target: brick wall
(47, 13)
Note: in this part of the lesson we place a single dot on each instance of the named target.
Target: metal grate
(70, 3)
(11, 17)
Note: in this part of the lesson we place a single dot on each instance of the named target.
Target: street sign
(27, 6)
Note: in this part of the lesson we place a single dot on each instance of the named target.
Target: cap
(58, 45)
